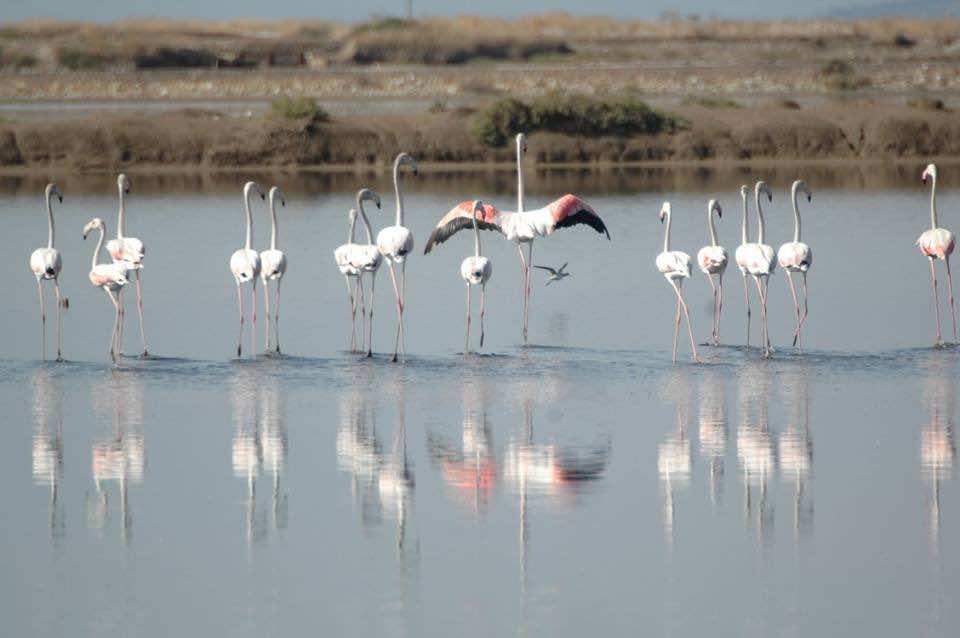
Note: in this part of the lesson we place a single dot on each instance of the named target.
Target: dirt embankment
(199, 140)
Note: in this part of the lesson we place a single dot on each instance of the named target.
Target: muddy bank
(199, 140)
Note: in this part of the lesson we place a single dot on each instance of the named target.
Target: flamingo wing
(458, 219)
(570, 210)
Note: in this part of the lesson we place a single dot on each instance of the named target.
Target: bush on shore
(572, 114)
(298, 108)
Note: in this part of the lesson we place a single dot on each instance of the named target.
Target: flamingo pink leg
(713, 327)
(483, 309)
(353, 315)
(466, 347)
(676, 331)
(253, 318)
(936, 301)
(240, 305)
(373, 298)
(953, 310)
(360, 292)
(719, 304)
(797, 340)
(116, 324)
(276, 317)
(143, 337)
(396, 292)
(686, 313)
(43, 321)
(763, 317)
(403, 308)
(523, 274)
(806, 302)
(121, 299)
(56, 288)
(526, 305)
(266, 314)
(746, 299)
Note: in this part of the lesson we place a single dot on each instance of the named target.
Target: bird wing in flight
(459, 218)
(547, 268)
(563, 268)
(570, 210)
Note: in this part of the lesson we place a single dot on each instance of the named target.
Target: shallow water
(585, 484)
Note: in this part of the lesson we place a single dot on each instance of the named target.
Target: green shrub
(298, 108)
(496, 124)
(709, 102)
(571, 114)
(84, 59)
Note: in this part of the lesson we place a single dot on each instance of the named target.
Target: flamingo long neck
(933, 201)
(49, 220)
(396, 188)
(666, 234)
(248, 244)
(519, 177)
(366, 222)
(353, 227)
(760, 233)
(476, 234)
(796, 215)
(713, 228)
(273, 223)
(96, 251)
(121, 226)
(744, 231)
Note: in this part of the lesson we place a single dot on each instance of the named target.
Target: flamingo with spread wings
(523, 226)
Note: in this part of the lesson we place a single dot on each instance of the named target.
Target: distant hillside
(907, 8)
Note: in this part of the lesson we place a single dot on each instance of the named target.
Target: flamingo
(46, 264)
(110, 277)
(476, 270)
(245, 266)
(937, 243)
(796, 256)
(713, 261)
(273, 265)
(131, 251)
(757, 260)
(675, 266)
(742, 253)
(342, 257)
(366, 258)
(395, 243)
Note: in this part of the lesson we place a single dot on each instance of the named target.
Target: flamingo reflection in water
(260, 445)
(120, 457)
(674, 457)
(938, 449)
(470, 470)
(48, 444)
(795, 450)
(713, 431)
(557, 472)
(756, 455)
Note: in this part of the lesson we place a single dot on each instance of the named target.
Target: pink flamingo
(110, 277)
(395, 243)
(273, 266)
(675, 266)
(245, 266)
(937, 243)
(712, 260)
(46, 264)
(796, 256)
(476, 271)
(130, 251)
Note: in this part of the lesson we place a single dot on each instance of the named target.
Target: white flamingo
(245, 266)
(46, 263)
(757, 260)
(110, 277)
(273, 266)
(742, 253)
(675, 266)
(395, 243)
(366, 258)
(351, 275)
(796, 256)
(768, 264)
(712, 260)
(476, 271)
(937, 243)
(130, 251)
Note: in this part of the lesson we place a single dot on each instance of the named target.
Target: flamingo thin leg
(523, 274)
(483, 309)
(373, 286)
(686, 313)
(240, 306)
(43, 321)
(763, 317)
(253, 318)
(953, 310)
(936, 301)
(353, 315)
(466, 347)
(56, 288)
(806, 303)
(526, 306)
(116, 324)
(746, 299)
(403, 308)
(796, 308)
(713, 327)
(676, 331)
(266, 314)
(276, 317)
(719, 304)
(143, 337)
(396, 293)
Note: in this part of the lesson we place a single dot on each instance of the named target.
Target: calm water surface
(585, 484)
